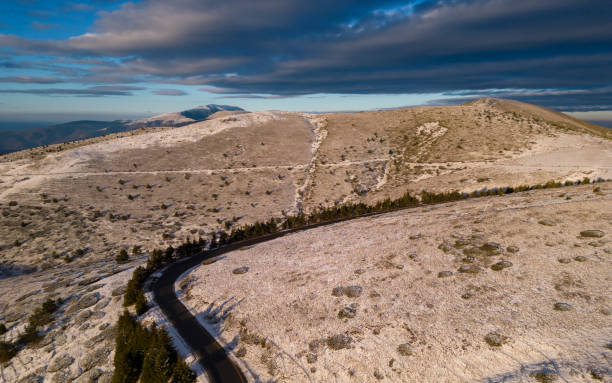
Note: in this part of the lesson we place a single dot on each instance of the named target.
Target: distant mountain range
(12, 141)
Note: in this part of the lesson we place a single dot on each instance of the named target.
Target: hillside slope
(498, 289)
(68, 209)
(167, 184)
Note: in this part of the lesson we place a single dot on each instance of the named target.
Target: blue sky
(105, 59)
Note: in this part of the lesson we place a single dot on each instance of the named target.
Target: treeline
(146, 355)
(349, 210)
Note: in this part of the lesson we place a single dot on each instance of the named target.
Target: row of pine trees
(146, 355)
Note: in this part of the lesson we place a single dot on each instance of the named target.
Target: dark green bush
(122, 257)
(7, 351)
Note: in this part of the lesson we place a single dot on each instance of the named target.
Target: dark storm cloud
(570, 100)
(95, 91)
(30, 80)
(286, 48)
(169, 92)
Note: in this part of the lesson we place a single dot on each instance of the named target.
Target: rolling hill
(80, 130)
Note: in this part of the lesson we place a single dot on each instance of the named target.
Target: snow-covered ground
(427, 302)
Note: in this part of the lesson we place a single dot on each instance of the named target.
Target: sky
(63, 60)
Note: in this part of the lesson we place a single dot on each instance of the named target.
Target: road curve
(212, 356)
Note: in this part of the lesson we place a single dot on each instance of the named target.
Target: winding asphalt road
(212, 356)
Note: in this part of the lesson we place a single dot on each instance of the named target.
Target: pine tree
(128, 350)
(122, 257)
(182, 373)
(141, 303)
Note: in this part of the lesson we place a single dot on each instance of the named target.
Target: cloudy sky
(64, 59)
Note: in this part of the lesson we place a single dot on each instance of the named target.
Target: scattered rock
(491, 248)
(405, 349)
(445, 274)
(598, 374)
(96, 358)
(14, 316)
(89, 376)
(469, 269)
(352, 291)
(241, 352)
(564, 260)
(592, 233)
(495, 339)
(339, 341)
(546, 222)
(32, 378)
(512, 249)
(315, 345)
(102, 304)
(349, 291)
(474, 251)
(560, 306)
(82, 317)
(580, 258)
(61, 377)
(359, 271)
(60, 362)
(415, 236)
(241, 270)
(90, 280)
(88, 301)
(119, 291)
(378, 375)
(347, 312)
(60, 340)
(446, 247)
(105, 335)
(311, 358)
(461, 242)
(501, 265)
